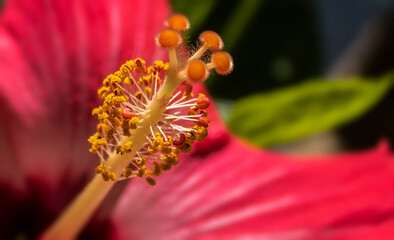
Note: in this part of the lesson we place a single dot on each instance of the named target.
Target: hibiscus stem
(80, 211)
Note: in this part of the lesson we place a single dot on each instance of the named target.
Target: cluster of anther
(129, 91)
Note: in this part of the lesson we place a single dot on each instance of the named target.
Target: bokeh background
(310, 76)
(293, 86)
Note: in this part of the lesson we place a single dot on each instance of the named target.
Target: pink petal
(54, 55)
(234, 191)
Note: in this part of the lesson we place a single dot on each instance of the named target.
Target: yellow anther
(151, 181)
(165, 150)
(96, 142)
(128, 145)
(118, 92)
(166, 67)
(197, 71)
(93, 138)
(103, 116)
(99, 169)
(110, 134)
(203, 113)
(115, 121)
(168, 38)
(112, 176)
(192, 112)
(102, 92)
(168, 142)
(102, 128)
(138, 95)
(131, 64)
(178, 22)
(171, 158)
(159, 66)
(125, 69)
(141, 171)
(185, 148)
(133, 122)
(122, 149)
(201, 132)
(157, 142)
(117, 112)
(106, 82)
(157, 134)
(212, 39)
(126, 128)
(165, 166)
(108, 176)
(139, 64)
(223, 62)
(157, 171)
(118, 74)
(114, 80)
(191, 137)
(127, 81)
(147, 79)
(151, 150)
(127, 173)
(118, 100)
(97, 111)
(176, 151)
(141, 162)
(148, 91)
(151, 70)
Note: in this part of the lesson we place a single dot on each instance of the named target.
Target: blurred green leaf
(196, 10)
(288, 114)
(224, 106)
(230, 24)
(241, 17)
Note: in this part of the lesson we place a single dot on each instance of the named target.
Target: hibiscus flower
(55, 54)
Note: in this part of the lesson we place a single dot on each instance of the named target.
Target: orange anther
(223, 62)
(212, 39)
(179, 140)
(168, 38)
(128, 114)
(178, 22)
(188, 87)
(202, 103)
(203, 121)
(197, 71)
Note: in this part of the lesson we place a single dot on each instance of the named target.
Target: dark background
(285, 42)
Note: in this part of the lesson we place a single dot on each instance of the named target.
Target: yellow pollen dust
(150, 114)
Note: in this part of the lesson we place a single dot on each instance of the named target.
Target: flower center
(149, 114)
